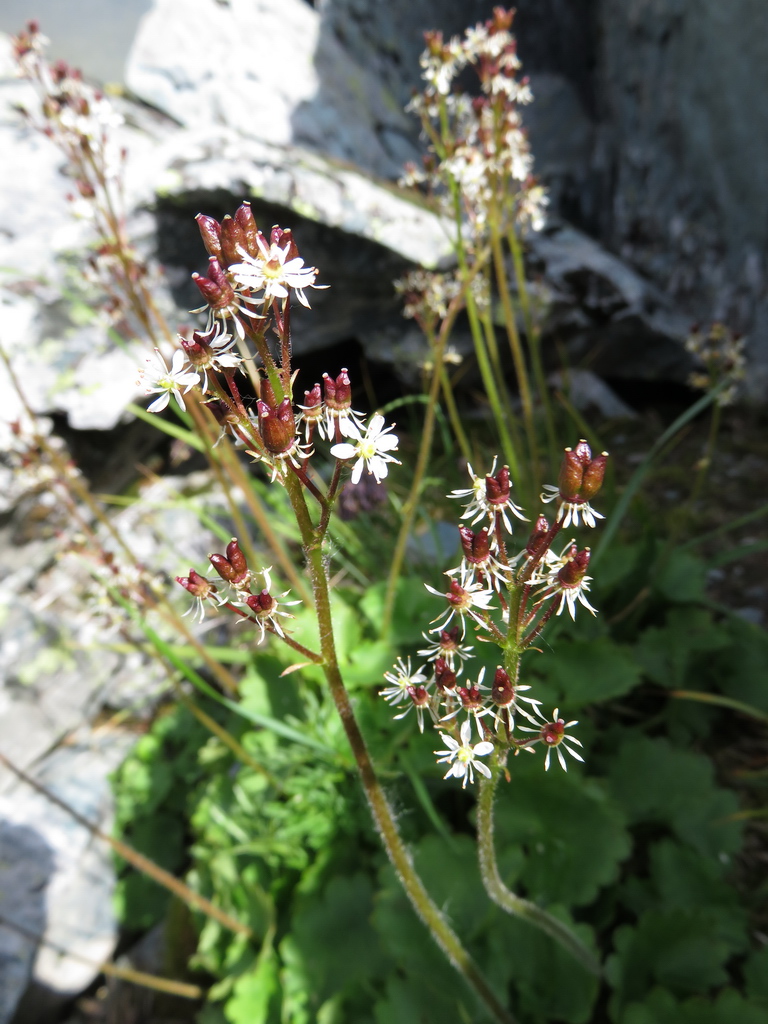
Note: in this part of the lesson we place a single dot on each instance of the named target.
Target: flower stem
(509, 901)
(382, 813)
(425, 447)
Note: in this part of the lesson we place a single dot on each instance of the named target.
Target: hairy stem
(382, 813)
(509, 901)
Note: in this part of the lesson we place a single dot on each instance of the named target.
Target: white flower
(273, 272)
(370, 448)
(400, 678)
(463, 757)
(211, 350)
(488, 505)
(449, 648)
(567, 578)
(554, 737)
(569, 511)
(264, 608)
(464, 597)
(157, 378)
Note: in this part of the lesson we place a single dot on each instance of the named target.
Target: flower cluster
(478, 143)
(245, 271)
(248, 291)
(506, 600)
(720, 353)
(260, 607)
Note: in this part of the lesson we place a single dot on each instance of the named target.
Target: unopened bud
(277, 426)
(575, 569)
(571, 475)
(232, 236)
(497, 488)
(593, 476)
(197, 348)
(475, 546)
(418, 695)
(210, 232)
(338, 392)
(197, 585)
(539, 532)
(445, 677)
(215, 288)
(232, 567)
(236, 557)
(261, 604)
(245, 219)
(470, 697)
(225, 415)
(502, 691)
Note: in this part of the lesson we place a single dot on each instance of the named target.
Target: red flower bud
(418, 695)
(236, 557)
(261, 604)
(197, 348)
(215, 288)
(197, 585)
(445, 678)
(338, 392)
(210, 231)
(497, 487)
(232, 236)
(245, 219)
(539, 532)
(475, 545)
(571, 475)
(502, 691)
(553, 732)
(470, 697)
(232, 567)
(225, 416)
(277, 426)
(575, 569)
(593, 476)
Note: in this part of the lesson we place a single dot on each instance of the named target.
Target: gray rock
(601, 306)
(588, 393)
(265, 68)
(26, 864)
(63, 662)
(71, 879)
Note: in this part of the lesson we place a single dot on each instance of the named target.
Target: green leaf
(656, 782)
(682, 878)
(756, 976)
(333, 936)
(560, 836)
(256, 996)
(672, 948)
(666, 652)
(548, 984)
(682, 577)
(662, 1008)
(741, 669)
(585, 672)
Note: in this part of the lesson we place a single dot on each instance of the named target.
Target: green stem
(709, 451)
(383, 815)
(425, 447)
(453, 413)
(475, 326)
(516, 348)
(509, 901)
(533, 336)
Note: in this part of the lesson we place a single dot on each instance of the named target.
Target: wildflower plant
(478, 171)
(231, 383)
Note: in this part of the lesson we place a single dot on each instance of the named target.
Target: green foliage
(636, 848)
